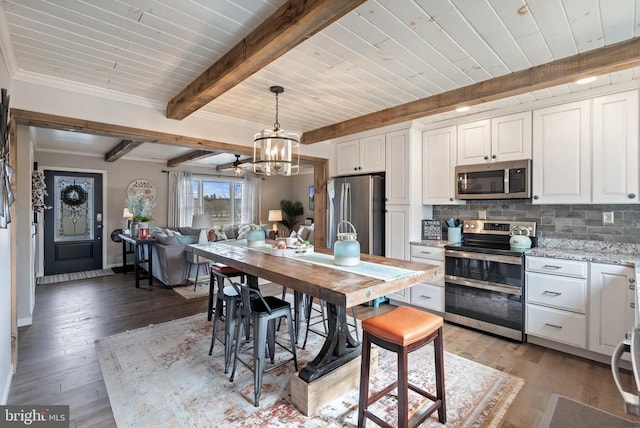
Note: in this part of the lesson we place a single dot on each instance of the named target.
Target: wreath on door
(74, 195)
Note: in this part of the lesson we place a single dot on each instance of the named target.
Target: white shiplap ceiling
(382, 54)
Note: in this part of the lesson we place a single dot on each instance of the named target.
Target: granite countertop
(588, 251)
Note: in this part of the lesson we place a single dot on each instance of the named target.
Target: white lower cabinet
(583, 304)
(427, 295)
(556, 300)
(612, 303)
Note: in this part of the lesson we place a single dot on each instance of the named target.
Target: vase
(135, 228)
(255, 238)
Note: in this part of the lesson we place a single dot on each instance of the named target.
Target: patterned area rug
(162, 376)
(51, 279)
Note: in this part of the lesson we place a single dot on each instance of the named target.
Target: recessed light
(463, 109)
(586, 80)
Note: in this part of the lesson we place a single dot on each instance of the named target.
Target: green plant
(290, 212)
(140, 207)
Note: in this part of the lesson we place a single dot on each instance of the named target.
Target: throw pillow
(243, 230)
(186, 239)
(219, 232)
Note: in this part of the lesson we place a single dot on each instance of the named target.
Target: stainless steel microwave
(497, 180)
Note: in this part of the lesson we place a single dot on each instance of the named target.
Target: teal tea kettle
(520, 238)
(256, 236)
(346, 250)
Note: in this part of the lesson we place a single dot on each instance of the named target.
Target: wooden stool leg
(438, 350)
(363, 400)
(403, 387)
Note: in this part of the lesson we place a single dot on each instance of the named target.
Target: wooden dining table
(338, 288)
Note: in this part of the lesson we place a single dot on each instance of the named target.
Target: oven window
(489, 306)
(484, 270)
(481, 183)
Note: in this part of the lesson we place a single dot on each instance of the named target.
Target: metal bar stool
(219, 271)
(194, 259)
(262, 311)
(402, 331)
(226, 307)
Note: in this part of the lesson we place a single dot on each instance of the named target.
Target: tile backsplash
(582, 222)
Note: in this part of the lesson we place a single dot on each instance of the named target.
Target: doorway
(73, 227)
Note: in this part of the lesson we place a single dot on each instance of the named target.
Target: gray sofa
(169, 259)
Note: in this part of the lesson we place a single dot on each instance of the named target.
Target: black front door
(73, 227)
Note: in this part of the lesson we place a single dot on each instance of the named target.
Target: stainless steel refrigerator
(359, 200)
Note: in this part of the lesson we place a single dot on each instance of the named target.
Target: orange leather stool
(402, 331)
(218, 269)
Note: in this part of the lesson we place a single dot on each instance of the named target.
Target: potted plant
(140, 207)
(290, 212)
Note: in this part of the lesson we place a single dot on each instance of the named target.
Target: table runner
(372, 270)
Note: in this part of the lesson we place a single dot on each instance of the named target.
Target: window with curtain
(219, 197)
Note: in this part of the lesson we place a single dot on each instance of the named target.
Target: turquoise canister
(346, 250)
(256, 236)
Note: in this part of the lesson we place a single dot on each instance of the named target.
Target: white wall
(25, 275)
(5, 283)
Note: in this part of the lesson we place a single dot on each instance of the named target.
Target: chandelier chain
(276, 125)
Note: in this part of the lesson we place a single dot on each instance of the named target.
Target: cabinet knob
(451, 199)
(355, 168)
(632, 280)
(494, 157)
(536, 197)
(486, 158)
(632, 305)
(632, 195)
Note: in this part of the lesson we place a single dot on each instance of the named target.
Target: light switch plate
(482, 214)
(607, 217)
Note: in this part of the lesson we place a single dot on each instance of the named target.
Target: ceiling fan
(237, 166)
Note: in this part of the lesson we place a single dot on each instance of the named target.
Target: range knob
(473, 226)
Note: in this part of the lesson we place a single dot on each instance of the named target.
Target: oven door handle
(484, 285)
(482, 256)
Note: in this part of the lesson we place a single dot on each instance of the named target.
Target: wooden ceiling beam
(192, 155)
(604, 60)
(52, 121)
(121, 149)
(291, 24)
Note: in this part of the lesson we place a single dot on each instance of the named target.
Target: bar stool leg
(403, 388)
(364, 379)
(438, 349)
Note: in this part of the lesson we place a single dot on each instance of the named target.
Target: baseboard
(5, 391)
(579, 352)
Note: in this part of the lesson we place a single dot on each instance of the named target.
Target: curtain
(251, 201)
(180, 199)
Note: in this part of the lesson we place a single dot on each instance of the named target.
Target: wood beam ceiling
(45, 120)
(290, 25)
(604, 60)
(195, 154)
(121, 149)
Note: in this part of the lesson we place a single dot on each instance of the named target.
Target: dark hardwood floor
(57, 363)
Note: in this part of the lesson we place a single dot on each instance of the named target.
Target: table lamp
(275, 216)
(126, 214)
(202, 222)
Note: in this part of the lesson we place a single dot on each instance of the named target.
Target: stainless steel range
(484, 277)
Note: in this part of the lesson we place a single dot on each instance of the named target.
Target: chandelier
(276, 152)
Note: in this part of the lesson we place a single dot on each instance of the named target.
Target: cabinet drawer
(557, 325)
(440, 264)
(428, 296)
(557, 291)
(424, 252)
(557, 266)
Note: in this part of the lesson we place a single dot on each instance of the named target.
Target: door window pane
(73, 204)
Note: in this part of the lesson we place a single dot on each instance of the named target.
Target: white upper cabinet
(615, 148)
(504, 138)
(361, 156)
(561, 154)
(474, 142)
(511, 137)
(438, 166)
(587, 151)
(398, 178)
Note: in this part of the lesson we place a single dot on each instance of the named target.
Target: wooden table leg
(339, 346)
(150, 262)
(124, 256)
(136, 267)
